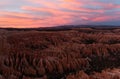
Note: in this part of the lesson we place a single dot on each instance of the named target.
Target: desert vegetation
(79, 53)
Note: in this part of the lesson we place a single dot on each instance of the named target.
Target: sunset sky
(46, 13)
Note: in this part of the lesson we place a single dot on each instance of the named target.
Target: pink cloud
(104, 18)
(111, 6)
(105, 6)
(58, 12)
(21, 20)
(75, 5)
(3, 3)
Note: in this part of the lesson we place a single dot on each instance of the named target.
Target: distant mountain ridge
(63, 27)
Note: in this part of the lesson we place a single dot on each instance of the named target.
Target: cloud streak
(46, 13)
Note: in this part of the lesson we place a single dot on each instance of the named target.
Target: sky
(47, 13)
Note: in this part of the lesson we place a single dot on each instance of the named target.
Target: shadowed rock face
(69, 54)
(105, 74)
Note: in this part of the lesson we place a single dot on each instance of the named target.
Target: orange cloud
(69, 0)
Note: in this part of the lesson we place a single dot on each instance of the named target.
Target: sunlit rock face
(87, 53)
